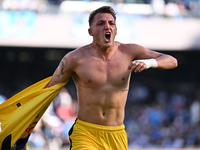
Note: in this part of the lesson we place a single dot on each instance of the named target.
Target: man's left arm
(151, 59)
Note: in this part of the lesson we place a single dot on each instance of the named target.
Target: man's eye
(112, 23)
(100, 23)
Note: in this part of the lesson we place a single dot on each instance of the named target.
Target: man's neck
(103, 52)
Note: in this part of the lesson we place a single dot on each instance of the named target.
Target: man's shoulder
(127, 47)
(77, 54)
(131, 50)
(80, 50)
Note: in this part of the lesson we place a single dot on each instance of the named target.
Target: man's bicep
(144, 53)
(62, 73)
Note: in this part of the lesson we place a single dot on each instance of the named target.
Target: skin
(101, 71)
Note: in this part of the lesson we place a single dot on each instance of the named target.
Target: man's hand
(142, 64)
(137, 66)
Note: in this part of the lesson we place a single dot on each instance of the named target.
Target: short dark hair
(103, 9)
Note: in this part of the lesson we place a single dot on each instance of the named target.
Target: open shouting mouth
(107, 36)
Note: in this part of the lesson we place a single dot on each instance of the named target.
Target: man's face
(103, 29)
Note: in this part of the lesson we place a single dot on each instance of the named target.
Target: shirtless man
(101, 71)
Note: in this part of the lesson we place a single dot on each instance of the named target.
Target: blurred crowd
(169, 8)
(167, 120)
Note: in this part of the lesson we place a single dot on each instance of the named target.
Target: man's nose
(107, 25)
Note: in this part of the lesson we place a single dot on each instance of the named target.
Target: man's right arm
(63, 72)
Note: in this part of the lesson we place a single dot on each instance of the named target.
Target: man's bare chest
(100, 73)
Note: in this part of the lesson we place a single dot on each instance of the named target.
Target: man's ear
(90, 32)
